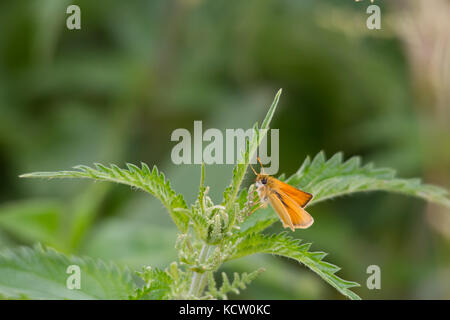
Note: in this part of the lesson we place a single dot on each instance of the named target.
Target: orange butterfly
(287, 201)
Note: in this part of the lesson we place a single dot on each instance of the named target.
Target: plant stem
(197, 283)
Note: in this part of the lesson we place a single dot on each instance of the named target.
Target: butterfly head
(261, 180)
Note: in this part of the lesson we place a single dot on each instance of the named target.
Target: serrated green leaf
(240, 281)
(157, 285)
(285, 246)
(335, 178)
(153, 182)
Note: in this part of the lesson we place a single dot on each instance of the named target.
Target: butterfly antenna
(262, 167)
(253, 169)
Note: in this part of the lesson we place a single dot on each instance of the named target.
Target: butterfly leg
(260, 205)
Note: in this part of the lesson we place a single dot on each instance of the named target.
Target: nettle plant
(209, 234)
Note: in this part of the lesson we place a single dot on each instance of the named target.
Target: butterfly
(287, 201)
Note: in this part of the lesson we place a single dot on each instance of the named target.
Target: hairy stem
(198, 279)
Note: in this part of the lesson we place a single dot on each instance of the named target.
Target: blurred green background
(114, 91)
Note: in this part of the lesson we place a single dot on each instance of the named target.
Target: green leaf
(157, 285)
(285, 246)
(327, 179)
(333, 178)
(241, 167)
(40, 273)
(142, 178)
(240, 282)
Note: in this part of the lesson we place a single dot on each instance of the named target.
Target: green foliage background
(115, 90)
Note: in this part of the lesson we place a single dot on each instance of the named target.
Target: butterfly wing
(292, 215)
(299, 217)
(281, 210)
(300, 197)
